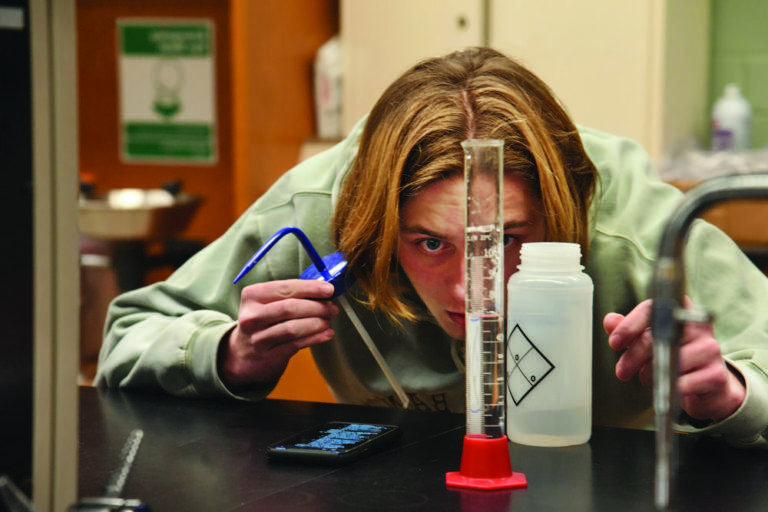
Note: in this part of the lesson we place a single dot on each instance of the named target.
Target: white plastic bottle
(549, 347)
(731, 121)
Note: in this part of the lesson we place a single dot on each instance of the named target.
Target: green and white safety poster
(167, 91)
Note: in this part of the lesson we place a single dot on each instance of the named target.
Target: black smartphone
(336, 442)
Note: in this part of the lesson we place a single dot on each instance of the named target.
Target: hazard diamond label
(527, 366)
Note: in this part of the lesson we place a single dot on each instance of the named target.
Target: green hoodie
(167, 335)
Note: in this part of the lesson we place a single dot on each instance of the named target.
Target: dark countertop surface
(209, 455)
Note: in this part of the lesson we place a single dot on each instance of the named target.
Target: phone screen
(334, 442)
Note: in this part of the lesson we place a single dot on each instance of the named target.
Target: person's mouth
(457, 318)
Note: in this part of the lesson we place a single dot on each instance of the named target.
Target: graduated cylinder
(549, 347)
(484, 286)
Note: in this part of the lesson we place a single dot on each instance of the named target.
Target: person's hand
(276, 319)
(708, 388)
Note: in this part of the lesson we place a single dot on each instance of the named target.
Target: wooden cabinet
(636, 68)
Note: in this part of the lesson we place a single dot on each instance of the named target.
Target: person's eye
(431, 244)
(509, 239)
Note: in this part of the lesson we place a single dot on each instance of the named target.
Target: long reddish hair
(412, 137)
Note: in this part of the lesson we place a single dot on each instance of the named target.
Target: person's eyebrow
(421, 230)
(517, 224)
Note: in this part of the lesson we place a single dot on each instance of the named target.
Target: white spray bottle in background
(731, 121)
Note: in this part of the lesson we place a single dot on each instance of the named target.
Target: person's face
(431, 243)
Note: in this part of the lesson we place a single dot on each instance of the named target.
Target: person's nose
(458, 286)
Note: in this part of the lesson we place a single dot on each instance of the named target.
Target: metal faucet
(668, 314)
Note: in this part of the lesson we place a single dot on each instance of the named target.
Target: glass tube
(484, 286)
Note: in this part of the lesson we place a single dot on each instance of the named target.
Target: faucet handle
(694, 315)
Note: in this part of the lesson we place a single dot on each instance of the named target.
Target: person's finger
(261, 365)
(272, 291)
(694, 330)
(645, 375)
(638, 353)
(631, 327)
(611, 321)
(290, 332)
(708, 380)
(713, 393)
(286, 350)
(698, 353)
(257, 316)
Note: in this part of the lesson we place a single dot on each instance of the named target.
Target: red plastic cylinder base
(485, 465)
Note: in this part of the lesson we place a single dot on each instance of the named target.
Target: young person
(390, 198)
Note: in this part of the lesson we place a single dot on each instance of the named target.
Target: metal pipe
(668, 314)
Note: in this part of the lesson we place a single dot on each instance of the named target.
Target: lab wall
(262, 52)
(99, 108)
(263, 62)
(739, 54)
(634, 68)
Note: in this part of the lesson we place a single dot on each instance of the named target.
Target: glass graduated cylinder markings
(484, 288)
(486, 399)
(485, 332)
(485, 263)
